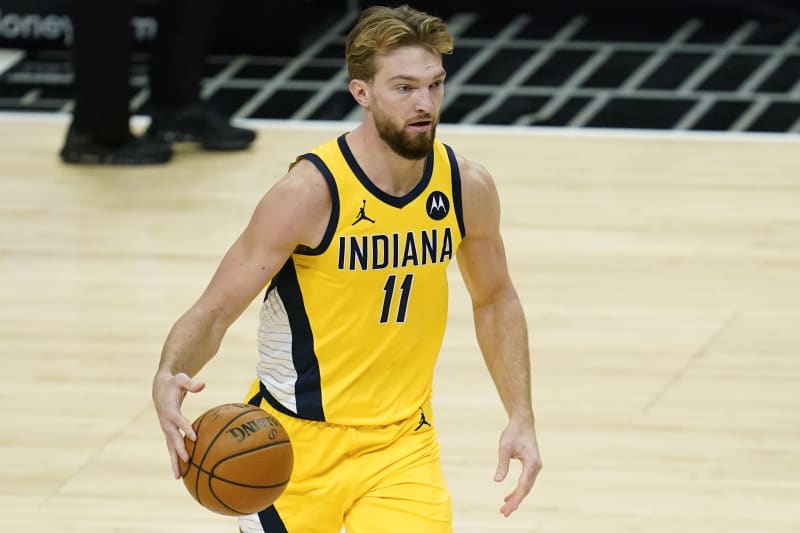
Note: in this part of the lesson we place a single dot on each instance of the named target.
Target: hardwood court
(660, 276)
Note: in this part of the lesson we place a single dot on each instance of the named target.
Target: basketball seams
(252, 462)
(210, 445)
(234, 509)
(191, 456)
(222, 430)
(243, 485)
(212, 475)
(189, 463)
(229, 457)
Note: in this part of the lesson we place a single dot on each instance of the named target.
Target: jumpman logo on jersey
(362, 215)
(422, 420)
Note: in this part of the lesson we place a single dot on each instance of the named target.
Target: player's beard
(408, 145)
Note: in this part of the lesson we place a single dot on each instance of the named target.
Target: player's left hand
(518, 441)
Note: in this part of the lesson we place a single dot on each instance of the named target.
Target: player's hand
(518, 441)
(168, 394)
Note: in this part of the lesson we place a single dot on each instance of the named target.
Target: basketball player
(353, 245)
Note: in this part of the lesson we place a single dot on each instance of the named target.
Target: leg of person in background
(100, 129)
(186, 30)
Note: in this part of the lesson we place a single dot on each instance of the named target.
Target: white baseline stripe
(479, 129)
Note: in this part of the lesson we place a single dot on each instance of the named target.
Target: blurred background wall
(265, 26)
(711, 65)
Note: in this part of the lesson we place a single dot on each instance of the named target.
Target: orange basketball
(241, 461)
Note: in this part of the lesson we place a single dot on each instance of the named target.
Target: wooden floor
(660, 276)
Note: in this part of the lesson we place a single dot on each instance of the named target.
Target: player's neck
(389, 171)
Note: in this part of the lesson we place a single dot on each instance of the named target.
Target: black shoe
(199, 124)
(83, 149)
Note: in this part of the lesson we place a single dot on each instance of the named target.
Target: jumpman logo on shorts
(422, 420)
(362, 215)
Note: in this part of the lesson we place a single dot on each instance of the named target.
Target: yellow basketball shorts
(369, 479)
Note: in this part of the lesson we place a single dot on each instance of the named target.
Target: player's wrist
(522, 417)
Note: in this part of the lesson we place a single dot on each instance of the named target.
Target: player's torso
(366, 310)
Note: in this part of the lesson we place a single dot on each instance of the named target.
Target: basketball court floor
(659, 270)
(660, 275)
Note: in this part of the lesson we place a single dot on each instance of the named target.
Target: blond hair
(380, 29)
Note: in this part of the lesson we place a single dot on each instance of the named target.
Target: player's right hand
(168, 394)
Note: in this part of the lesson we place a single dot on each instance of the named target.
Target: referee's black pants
(101, 60)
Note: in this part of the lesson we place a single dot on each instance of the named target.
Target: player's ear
(360, 91)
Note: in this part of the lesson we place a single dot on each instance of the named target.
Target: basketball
(241, 461)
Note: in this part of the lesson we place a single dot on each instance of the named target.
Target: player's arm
(293, 212)
(500, 326)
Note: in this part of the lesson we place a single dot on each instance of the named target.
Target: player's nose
(424, 102)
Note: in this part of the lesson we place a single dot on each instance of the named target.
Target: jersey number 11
(388, 297)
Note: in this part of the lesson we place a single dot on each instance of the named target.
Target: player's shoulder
(304, 177)
(479, 198)
(303, 169)
(475, 178)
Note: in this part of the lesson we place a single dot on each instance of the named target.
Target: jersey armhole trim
(334, 219)
(455, 175)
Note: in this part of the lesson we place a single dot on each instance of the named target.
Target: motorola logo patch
(437, 205)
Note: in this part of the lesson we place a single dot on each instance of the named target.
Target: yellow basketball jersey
(350, 331)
